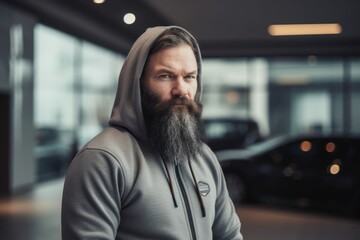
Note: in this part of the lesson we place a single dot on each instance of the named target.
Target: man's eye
(190, 77)
(165, 76)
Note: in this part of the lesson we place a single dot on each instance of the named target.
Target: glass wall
(100, 69)
(306, 95)
(287, 95)
(354, 90)
(75, 85)
(54, 78)
(74, 89)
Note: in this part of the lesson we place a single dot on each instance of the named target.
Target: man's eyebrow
(193, 72)
(168, 70)
(163, 69)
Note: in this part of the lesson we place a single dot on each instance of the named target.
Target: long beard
(176, 132)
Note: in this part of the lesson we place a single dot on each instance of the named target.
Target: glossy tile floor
(36, 216)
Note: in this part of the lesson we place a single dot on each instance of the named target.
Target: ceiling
(227, 28)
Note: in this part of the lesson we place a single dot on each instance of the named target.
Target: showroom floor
(36, 216)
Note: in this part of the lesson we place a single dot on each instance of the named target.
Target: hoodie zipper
(186, 199)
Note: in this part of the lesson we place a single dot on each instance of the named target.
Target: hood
(127, 110)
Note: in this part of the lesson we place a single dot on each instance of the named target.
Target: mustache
(191, 105)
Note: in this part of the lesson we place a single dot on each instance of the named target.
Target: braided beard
(176, 132)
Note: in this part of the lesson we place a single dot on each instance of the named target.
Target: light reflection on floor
(26, 207)
(36, 216)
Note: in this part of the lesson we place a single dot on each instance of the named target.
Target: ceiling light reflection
(305, 146)
(292, 80)
(334, 169)
(330, 147)
(288, 171)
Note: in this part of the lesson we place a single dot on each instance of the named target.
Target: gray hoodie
(118, 187)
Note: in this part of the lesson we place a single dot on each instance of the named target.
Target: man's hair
(174, 37)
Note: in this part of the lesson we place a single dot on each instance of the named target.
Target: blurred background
(281, 104)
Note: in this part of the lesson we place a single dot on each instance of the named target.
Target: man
(149, 176)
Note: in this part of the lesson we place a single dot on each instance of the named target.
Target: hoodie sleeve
(92, 196)
(226, 223)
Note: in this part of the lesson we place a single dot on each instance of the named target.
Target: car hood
(250, 152)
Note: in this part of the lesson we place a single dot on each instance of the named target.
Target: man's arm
(226, 223)
(91, 199)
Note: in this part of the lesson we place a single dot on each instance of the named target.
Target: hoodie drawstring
(170, 183)
(202, 205)
(201, 201)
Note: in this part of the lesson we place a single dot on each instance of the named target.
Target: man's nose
(179, 88)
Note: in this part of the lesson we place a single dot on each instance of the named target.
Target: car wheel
(236, 187)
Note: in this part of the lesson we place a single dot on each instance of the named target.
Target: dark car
(229, 133)
(53, 153)
(317, 172)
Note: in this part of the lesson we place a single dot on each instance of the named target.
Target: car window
(219, 129)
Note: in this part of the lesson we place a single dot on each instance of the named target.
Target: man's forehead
(181, 54)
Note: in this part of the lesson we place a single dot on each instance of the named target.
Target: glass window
(54, 78)
(284, 95)
(305, 95)
(99, 74)
(355, 95)
(54, 100)
(225, 87)
(75, 84)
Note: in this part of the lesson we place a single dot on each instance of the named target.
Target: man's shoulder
(207, 152)
(111, 134)
(209, 157)
(115, 146)
(113, 140)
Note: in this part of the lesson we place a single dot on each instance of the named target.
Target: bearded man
(149, 175)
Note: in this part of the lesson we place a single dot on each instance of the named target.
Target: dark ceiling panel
(223, 28)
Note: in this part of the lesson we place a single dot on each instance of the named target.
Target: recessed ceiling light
(98, 1)
(129, 18)
(304, 29)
